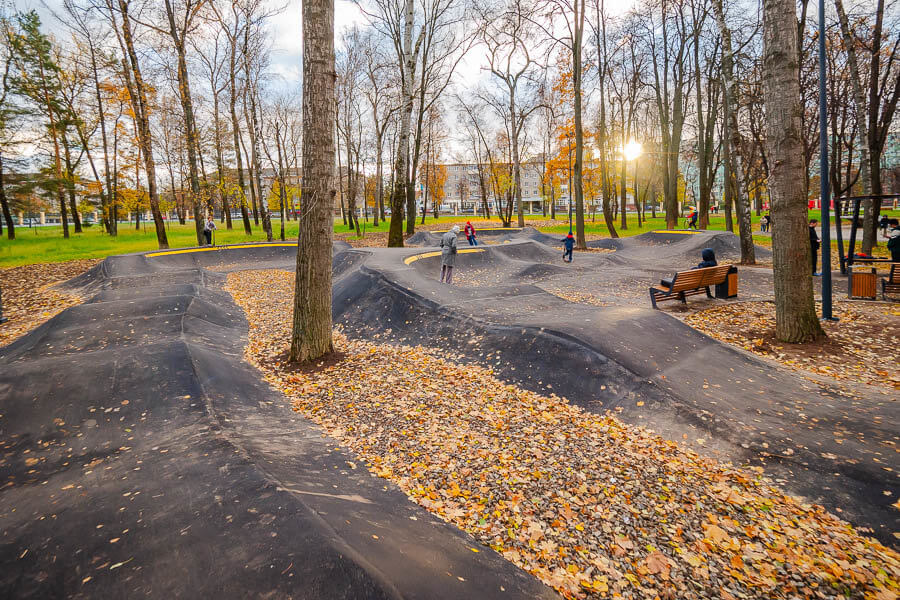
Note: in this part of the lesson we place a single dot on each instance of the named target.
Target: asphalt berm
(141, 455)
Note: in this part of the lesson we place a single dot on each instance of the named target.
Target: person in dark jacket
(893, 236)
(814, 245)
(208, 230)
(469, 230)
(709, 259)
(569, 245)
(883, 223)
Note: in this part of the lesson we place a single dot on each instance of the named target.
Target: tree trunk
(70, 184)
(795, 315)
(733, 137)
(4, 205)
(311, 332)
(140, 105)
(580, 241)
(401, 177)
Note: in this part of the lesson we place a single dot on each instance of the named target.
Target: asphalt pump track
(141, 455)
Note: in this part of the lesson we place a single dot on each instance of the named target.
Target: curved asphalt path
(140, 456)
(831, 445)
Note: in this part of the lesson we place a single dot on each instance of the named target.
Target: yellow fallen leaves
(859, 345)
(28, 300)
(586, 503)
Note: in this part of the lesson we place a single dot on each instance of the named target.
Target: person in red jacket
(470, 234)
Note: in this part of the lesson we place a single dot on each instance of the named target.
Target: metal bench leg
(653, 297)
(708, 295)
(682, 297)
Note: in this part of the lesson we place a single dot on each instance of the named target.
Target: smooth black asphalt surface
(141, 457)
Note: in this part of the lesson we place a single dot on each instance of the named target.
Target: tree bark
(795, 315)
(580, 241)
(733, 137)
(311, 332)
(138, 95)
(399, 194)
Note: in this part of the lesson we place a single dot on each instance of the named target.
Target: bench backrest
(696, 278)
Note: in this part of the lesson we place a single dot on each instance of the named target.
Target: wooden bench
(891, 283)
(689, 283)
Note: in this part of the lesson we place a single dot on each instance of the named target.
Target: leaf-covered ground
(861, 346)
(592, 506)
(28, 300)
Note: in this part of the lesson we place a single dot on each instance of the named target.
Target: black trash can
(729, 287)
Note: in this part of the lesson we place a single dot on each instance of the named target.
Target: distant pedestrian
(769, 222)
(883, 223)
(569, 242)
(448, 254)
(764, 223)
(893, 236)
(693, 217)
(814, 245)
(208, 230)
(709, 259)
(470, 234)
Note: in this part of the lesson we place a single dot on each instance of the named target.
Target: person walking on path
(893, 236)
(814, 245)
(569, 242)
(470, 234)
(448, 254)
(764, 223)
(883, 225)
(208, 230)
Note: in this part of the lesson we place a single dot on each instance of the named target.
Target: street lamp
(825, 192)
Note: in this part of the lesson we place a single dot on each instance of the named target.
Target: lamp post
(825, 192)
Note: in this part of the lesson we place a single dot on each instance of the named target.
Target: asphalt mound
(653, 369)
(142, 456)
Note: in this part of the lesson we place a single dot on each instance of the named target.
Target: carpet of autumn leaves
(591, 506)
(28, 300)
(861, 346)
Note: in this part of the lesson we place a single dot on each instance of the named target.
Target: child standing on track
(470, 234)
(569, 242)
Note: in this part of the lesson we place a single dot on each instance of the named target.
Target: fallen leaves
(861, 345)
(28, 300)
(586, 503)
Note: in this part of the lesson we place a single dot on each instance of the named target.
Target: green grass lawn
(46, 244)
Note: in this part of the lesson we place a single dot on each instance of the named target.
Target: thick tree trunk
(795, 315)
(311, 333)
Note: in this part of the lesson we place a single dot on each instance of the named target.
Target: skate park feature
(144, 420)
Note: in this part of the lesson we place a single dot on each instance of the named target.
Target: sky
(286, 58)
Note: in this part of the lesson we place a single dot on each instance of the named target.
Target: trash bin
(729, 287)
(862, 282)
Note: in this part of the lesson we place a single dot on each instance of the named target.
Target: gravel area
(591, 506)
(28, 300)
